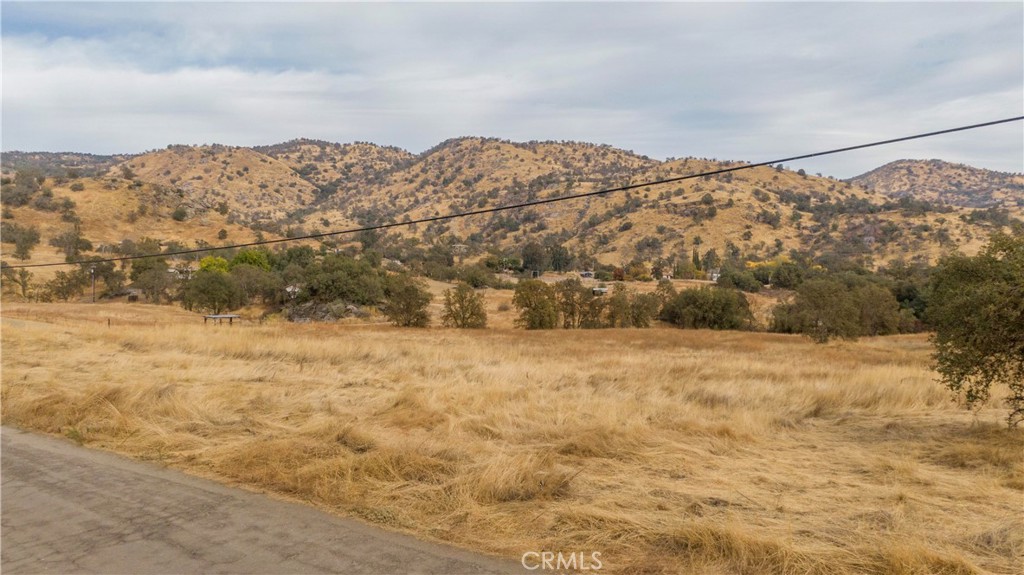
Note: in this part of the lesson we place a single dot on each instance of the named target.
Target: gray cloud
(737, 81)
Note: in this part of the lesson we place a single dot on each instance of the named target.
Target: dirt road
(67, 509)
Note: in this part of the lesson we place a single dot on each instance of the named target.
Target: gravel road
(68, 509)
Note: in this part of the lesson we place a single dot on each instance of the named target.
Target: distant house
(599, 291)
(714, 274)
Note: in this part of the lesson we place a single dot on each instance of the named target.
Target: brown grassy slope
(378, 184)
(666, 450)
(112, 209)
(944, 182)
(478, 172)
(323, 163)
(254, 186)
(473, 173)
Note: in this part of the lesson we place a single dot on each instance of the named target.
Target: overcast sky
(748, 82)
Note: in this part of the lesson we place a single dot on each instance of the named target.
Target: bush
(406, 301)
(212, 291)
(739, 279)
(338, 277)
(822, 310)
(708, 308)
(463, 308)
(67, 285)
(180, 214)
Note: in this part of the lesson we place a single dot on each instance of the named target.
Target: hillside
(188, 194)
(945, 183)
(329, 166)
(60, 163)
(115, 215)
(252, 187)
(762, 213)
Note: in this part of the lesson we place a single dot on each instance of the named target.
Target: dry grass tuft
(522, 477)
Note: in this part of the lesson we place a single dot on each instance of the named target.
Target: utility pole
(92, 272)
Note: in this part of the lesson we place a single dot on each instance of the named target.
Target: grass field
(665, 450)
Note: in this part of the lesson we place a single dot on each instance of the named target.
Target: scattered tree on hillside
(24, 238)
(71, 243)
(20, 278)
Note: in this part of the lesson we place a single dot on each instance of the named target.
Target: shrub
(708, 308)
(212, 290)
(406, 301)
(463, 308)
(823, 310)
(739, 279)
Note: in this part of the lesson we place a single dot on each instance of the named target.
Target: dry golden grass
(668, 451)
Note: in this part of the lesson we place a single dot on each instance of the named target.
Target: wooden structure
(220, 317)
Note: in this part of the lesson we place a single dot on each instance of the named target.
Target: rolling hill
(942, 182)
(912, 210)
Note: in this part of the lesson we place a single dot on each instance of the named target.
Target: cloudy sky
(747, 81)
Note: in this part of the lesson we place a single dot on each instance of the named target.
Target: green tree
(211, 291)
(24, 238)
(618, 307)
(463, 308)
(535, 257)
(341, 278)
(71, 243)
(742, 279)
(67, 285)
(143, 265)
(152, 277)
(537, 305)
(255, 258)
(406, 301)
(787, 275)
(105, 272)
(572, 299)
(823, 309)
(559, 258)
(257, 282)
(879, 310)
(977, 310)
(214, 264)
(21, 278)
(708, 308)
(643, 308)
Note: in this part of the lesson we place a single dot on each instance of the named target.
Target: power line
(531, 203)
